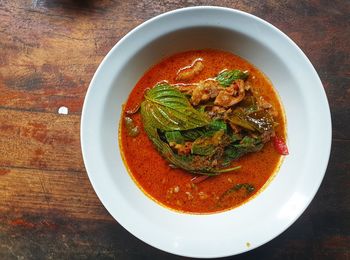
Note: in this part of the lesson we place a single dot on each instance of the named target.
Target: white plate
(308, 128)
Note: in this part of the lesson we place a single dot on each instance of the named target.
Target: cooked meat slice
(182, 149)
(216, 112)
(205, 90)
(189, 72)
(247, 85)
(263, 103)
(267, 106)
(266, 136)
(186, 88)
(231, 95)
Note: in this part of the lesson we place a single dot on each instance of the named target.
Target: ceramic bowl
(308, 128)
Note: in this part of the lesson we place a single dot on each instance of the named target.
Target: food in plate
(203, 131)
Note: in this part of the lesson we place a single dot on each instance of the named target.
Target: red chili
(280, 145)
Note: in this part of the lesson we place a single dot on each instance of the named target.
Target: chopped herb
(248, 187)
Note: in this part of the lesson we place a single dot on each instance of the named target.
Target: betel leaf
(249, 104)
(203, 146)
(192, 163)
(246, 145)
(174, 137)
(167, 109)
(193, 134)
(184, 162)
(239, 117)
(249, 116)
(211, 145)
(248, 142)
(207, 145)
(261, 120)
(208, 130)
(235, 137)
(217, 125)
(226, 77)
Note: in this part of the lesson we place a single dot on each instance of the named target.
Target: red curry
(172, 187)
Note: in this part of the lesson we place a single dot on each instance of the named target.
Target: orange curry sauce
(173, 187)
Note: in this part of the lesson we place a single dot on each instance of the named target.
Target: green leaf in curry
(167, 109)
(247, 186)
(192, 163)
(226, 77)
(246, 145)
(168, 117)
(184, 162)
(174, 137)
(252, 120)
(208, 130)
(249, 189)
(209, 145)
(239, 117)
(261, 120)
(249, 104)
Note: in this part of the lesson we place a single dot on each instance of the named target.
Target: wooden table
(49, 50)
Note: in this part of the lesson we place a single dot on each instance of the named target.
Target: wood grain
(43, 141)
(65, 194)
(49, 50)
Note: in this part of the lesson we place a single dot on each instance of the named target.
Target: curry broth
(173, 187)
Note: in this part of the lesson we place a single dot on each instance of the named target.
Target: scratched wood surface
(49, 50)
